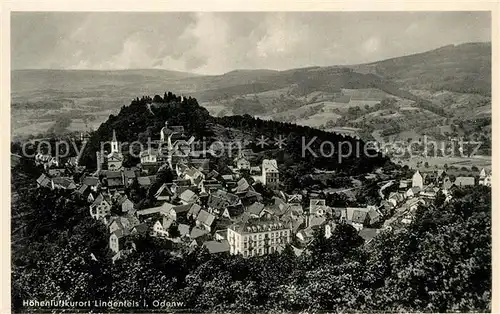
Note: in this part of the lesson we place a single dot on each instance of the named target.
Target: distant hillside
(450, 85)
(464, 68)
(138, 122)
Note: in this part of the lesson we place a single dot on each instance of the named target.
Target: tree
(173, 231)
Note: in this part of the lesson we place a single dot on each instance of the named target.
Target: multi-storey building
(258, 237)
(270, 172)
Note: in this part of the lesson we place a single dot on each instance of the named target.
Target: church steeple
(114, 143)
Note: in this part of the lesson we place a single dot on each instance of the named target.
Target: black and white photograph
(251, 161)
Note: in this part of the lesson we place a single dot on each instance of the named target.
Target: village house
(161, 226)
(356, 216)
(193, 212)
(194, 175)
(205, 220)
(242, 163)
(44, 181)
(220, 200)
(305, 235)
(317, 207)
(485, 179)
(120, 244)
(149, 156)
(101, 207)
(125, 204)
(270, 173)
(114, 179)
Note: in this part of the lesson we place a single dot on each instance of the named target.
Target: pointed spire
(114, 136)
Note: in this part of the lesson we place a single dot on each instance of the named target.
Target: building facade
(259, 238)
(270, 172)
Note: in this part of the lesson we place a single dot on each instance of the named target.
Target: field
(459, 162)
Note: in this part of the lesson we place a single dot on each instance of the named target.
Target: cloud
(372, 45)
(217, 42)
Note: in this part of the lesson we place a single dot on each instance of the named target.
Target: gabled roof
(415, 189)
(113, 174)
(98, 200)
(194, 210)
(374, 215)
(256, 208)
(228, 177)
(197, 232)
(91, 181)
(129, 174)
(179, 209)
(316, 221)
(165, 208)
(216, 246)
(122, 199)
(182, 182)
(188, 196)
(146, 181)
(141, 228)
(65, 183)
(163, 192)
(269, 165)
(356, 214)
(221, 199)
(205, 217)
(212, 175)
(183, 229)
(243, 186)
(43, 180)
(83, 189)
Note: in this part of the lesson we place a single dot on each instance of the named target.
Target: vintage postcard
(249, 160)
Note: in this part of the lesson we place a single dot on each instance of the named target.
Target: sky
(219, 42)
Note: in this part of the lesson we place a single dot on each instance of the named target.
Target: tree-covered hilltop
(146, 116)
(439, 263)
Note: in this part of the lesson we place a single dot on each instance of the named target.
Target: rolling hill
(448, 86)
